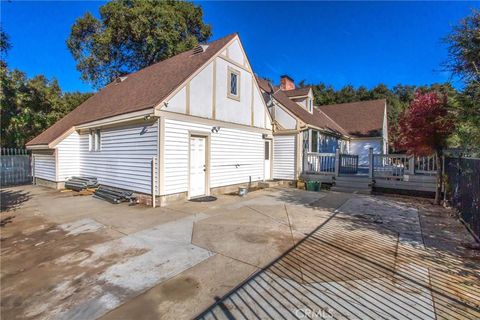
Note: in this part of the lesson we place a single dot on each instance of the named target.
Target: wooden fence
(463, 189)
(16, 167)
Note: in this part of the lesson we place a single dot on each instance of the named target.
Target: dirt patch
(30, 276)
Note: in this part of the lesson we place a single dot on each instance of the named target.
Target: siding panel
(124, 160)
(68, 153)
(44, 166)
(284, 157)
(236, 156)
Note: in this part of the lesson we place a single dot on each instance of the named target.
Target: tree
(464, 48)
(424, 128)
(29, 106)
(133, 34)
(464, 62)
(4, 47)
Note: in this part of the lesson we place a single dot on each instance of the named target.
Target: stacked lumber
(81, 183)
(113, 195)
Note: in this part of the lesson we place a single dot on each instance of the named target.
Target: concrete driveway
(277, 253)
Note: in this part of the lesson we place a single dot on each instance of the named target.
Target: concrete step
(351, 190)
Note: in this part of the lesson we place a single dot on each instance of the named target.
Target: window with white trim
(98, 140)
(310, 105)
(94, 140)
(233, 84)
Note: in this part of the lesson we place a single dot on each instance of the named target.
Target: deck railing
(380, 165)
(396, 165)
(320, 163)
(426, 165)
(348, 163)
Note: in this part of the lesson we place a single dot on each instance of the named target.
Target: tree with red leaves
(424, 128)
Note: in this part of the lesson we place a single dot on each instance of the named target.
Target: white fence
(16, 167)
(381, 165)
(397, 165)
(319, 163)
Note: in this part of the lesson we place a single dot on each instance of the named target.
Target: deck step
(351, 190)
(354, 179)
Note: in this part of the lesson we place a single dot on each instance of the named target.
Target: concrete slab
(66, 256)
(187, 294)
(245, 235)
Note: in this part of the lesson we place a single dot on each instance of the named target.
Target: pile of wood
(113, 195)
(81, 183)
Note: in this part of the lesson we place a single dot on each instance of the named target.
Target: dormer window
(310, 105)
(233, 84)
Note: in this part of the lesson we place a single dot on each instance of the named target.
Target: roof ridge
(343, 103)
(173, 57)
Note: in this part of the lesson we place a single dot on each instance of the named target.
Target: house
(188, 126)
(300, 127)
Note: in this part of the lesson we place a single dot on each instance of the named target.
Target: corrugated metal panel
(235, 156)
(284, 157)
(124, 160)
(44, 166)
(69, 157)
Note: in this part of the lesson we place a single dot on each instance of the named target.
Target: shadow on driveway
(355, 267)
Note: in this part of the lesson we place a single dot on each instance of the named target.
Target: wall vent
(200, 48)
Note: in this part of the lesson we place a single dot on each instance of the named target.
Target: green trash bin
(312, 185)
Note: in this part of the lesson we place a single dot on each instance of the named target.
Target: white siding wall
(385, 131)
(232, 110)
(284, 157)
(360, 147)
(68, 152)
(235, 52)
(228, 147)
(201, 93)
(125, 157)
(44, 166)
(284, 119)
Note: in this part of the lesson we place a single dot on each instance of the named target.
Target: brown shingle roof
(264, 84)
(298, 92)
(139, 91)
(359, 119)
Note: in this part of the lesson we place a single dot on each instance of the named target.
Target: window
(267, 150)
(94, 140)
(310, 105)
(97, 140)
(314, 137)
(233, 84)
(91, 141)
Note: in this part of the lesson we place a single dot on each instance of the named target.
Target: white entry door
(198, 166)
(268, 160)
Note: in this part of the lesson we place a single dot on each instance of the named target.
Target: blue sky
(338, 43)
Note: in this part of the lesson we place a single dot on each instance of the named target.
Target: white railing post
(154, 193)
(411, 165)
(337, 162)
(370, 163)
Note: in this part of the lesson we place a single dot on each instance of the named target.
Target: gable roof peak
(142, 90)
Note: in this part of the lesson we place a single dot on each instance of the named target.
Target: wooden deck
(385, 171)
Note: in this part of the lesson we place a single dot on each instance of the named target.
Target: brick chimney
(286, 83)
